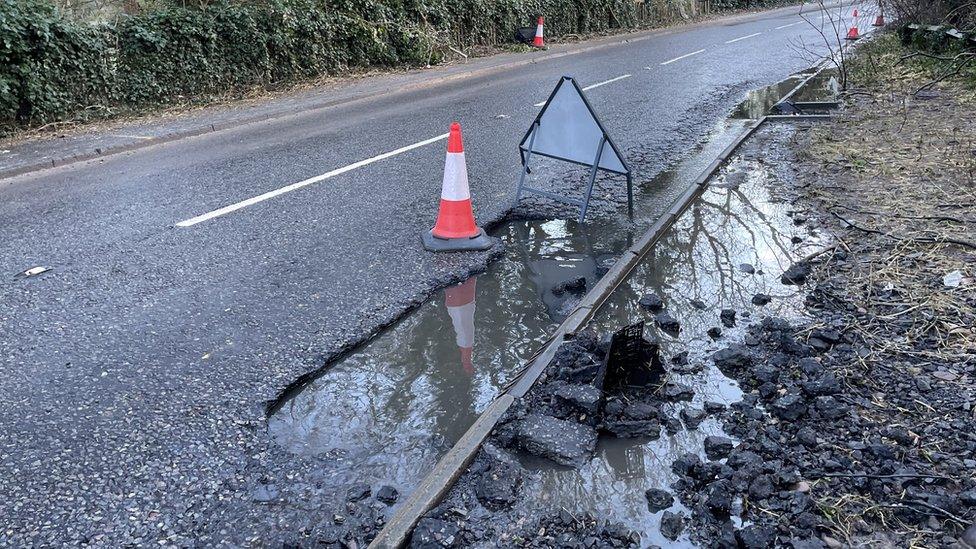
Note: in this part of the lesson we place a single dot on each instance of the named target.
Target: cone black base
(481, 241)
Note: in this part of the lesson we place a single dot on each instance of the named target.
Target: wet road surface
(136, 371)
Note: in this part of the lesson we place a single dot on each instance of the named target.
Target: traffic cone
(455, 229)
(855, 12)
(879, 21)
(538, 42)
(852, 33)
(460, 302)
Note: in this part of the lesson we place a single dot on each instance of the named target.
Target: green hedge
(53, 68)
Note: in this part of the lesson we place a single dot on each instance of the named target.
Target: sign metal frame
(526, 152)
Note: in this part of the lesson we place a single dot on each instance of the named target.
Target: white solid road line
(294, 186)
(742, 37)
(591, 86)
(790, 25)
(668, 62)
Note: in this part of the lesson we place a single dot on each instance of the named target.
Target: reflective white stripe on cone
(538, 40)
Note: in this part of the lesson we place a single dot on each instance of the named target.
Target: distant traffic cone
(460, 302)
(538, 42)
(879, 21)
(855, 12)
(852, 33)
(455, 229)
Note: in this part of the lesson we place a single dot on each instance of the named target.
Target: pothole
(386, 413)
(398, 403)
(732, 245)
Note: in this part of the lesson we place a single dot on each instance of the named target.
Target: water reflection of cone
(455, 229)
(852, 33)
(460, 304)
(538, 41)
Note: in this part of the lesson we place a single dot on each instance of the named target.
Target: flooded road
(389, 411)
(396, 405)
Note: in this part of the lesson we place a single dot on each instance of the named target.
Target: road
(135, 373)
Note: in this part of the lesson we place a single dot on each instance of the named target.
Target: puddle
(759, 102)
(696, 261)
(396, 405)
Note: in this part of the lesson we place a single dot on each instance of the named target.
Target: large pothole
(386, 413)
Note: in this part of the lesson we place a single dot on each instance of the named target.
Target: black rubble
(651, 302)
(564, 442)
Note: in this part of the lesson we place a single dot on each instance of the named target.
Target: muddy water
(759, 102)
(395, 406)
(698, 260)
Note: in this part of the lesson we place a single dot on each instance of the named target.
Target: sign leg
(589, 188)
(525, 166)
(630, 195)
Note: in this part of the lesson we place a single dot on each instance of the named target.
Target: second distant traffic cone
(852, 33)
(455, 229)
(855, 12)
(538, 41)
(879, 21)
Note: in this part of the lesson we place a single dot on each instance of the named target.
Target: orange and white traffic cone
(460, 302)
(879, 21)
(852, 33)
(538, 41)
(455, 229)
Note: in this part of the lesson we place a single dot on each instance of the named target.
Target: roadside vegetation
(894, 178)
(73, 61)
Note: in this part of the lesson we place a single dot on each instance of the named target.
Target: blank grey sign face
(568, 130)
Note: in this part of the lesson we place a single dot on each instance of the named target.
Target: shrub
(54, 68)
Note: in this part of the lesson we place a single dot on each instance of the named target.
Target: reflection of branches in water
(612, 484)
(716, 239)
(697, 258)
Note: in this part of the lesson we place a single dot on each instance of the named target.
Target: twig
(818, 253)
(967, 57)
(936, 508)
(923, 239)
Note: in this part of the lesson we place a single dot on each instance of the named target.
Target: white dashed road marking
(668, 62)
(742, 37)
(591, 86)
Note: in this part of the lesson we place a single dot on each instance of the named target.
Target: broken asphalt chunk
(651, 302)
(564, 442)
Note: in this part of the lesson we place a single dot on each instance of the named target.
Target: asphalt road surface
(192, 281)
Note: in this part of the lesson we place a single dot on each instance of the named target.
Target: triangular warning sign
(567, 129)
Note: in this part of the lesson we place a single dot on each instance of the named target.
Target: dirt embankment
(857, 425)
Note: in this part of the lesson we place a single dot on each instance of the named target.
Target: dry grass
(903, 170)
(896, 173)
